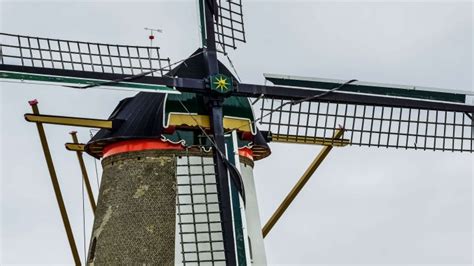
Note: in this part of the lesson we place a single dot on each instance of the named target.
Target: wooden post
(299, 185)
(57, 189)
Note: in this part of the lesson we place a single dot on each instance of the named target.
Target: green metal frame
(236, 208)
(61, 80)
(369, 88)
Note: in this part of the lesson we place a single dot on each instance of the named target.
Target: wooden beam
(75, 146)
(299, 185)
(294, 139)
(70, 121)
(56, 187)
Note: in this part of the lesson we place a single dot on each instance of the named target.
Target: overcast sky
(363, 206)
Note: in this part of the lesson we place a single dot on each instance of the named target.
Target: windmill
(278, 113)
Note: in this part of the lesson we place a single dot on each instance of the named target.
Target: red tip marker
(151, 37)
(33, 102)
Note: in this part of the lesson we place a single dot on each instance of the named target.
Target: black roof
(141, 116)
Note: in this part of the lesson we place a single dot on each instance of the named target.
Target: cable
(230, 61)
(306, 99)
(258, 99)
(233, 67)
(293, 102)
(132, 77)
(324, 93)
(227, 56)
(234, 173)
(202, 130)
(95, 162)
(468, 115)
(83, 220)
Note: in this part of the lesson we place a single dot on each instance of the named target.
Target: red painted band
(147, 144)
(246, 152)
(139, 145)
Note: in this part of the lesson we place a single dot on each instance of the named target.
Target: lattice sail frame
(199, 226)
(27, 51)
(229, 27)
(369, 125)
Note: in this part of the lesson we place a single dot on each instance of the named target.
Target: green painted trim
(203, 22)
(70, 80)
(238, 225)
(379, 90)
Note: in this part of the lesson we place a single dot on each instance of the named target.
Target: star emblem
(221, 83)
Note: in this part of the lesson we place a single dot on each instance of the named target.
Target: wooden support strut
(299, 185)
(57, 189)
(85, 176)
(70, 121)
(75, 146)
(282, 138)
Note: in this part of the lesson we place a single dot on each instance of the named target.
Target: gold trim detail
(203, 121)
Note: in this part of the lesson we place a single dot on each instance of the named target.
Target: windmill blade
(369, 120)
(371, 88)
(78, 63)
(369, 125)
(229, 24)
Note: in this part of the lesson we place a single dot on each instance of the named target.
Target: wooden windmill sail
(295, 109)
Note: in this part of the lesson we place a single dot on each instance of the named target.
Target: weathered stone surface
(136, 211)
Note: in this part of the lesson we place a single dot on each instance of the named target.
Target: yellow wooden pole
(69, 121)
(57, 189)
(282, 138)
(299, 185)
